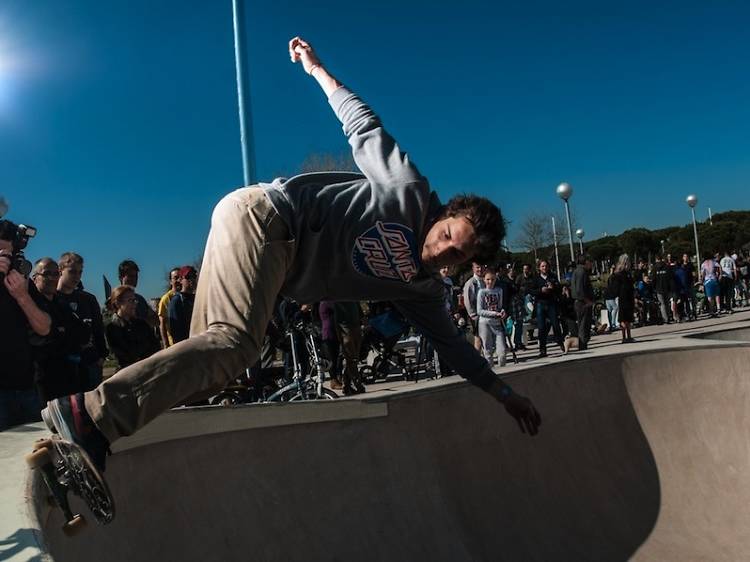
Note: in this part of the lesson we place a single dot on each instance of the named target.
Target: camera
(19, 236)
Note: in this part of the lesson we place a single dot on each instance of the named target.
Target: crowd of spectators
(532, 303)
(56, 337)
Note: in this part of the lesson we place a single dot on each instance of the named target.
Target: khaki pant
(247, 257)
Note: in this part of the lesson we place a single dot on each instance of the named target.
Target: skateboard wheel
(74, 526)
(38, 458)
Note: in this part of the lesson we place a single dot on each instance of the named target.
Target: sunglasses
(49, 274)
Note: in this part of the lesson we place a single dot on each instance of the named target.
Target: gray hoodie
(359, 236)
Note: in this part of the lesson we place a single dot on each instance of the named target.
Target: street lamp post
(692, 201)
(662, 247)
(557, 256)
(564, 192)
(579, 234)
(243, 93)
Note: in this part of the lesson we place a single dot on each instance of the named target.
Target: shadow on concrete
(731, 334)
(13, 545)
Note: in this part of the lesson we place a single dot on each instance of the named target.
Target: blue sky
(119, 129)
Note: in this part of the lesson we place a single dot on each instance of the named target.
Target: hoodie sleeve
(468, 299)
(375, 151)
(432, 320)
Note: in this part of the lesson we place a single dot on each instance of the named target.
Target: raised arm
(301, 51)
(375, 152)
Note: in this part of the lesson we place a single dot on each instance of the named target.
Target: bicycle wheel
(328, 394)
(226, 398)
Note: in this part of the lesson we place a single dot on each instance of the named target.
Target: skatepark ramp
(643, 456)
(731, 334)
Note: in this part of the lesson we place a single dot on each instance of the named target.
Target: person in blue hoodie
(378, 235)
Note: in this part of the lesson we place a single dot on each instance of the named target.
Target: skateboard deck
(66, 468)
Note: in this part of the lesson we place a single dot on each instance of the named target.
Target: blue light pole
(243, 93)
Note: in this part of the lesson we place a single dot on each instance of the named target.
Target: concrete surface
(643, 454)
(20, 535)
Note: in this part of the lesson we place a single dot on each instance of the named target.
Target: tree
(603, 251)
(328, 162)
(719, 238)
(730, 231)
(534, 233)
(639, 242)
(561, 227)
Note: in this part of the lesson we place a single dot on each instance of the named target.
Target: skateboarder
(378, 235)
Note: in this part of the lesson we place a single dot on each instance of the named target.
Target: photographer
(21, 318)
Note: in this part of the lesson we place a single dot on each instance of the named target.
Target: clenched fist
(301, 51)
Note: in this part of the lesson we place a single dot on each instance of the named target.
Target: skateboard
(65, 467)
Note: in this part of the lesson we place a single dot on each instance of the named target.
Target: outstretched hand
(301, 51)
(524, 412)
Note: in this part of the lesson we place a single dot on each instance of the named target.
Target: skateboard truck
(66, 468)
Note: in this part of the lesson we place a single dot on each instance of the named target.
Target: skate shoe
(67, 416)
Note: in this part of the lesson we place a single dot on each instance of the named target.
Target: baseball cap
(188, 271)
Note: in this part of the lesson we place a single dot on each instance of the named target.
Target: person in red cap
(181, 306)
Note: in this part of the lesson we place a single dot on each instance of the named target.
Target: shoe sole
(47, 419)
(55, 416)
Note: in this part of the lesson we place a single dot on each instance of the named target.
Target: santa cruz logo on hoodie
(388, 250)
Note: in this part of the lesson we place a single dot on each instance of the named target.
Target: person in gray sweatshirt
(471, 288)
(377, 235)
(492, 316)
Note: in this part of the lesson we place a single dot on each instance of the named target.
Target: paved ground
(643, 455)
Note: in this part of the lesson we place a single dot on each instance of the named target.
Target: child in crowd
(492, 317)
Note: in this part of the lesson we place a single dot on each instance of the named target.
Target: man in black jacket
(60, 368)
(86, 307)
(583, 296)
(664, 285)
(546, 290)
(21, 318)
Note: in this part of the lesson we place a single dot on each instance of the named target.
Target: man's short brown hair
(69, 259)
(485, 217)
